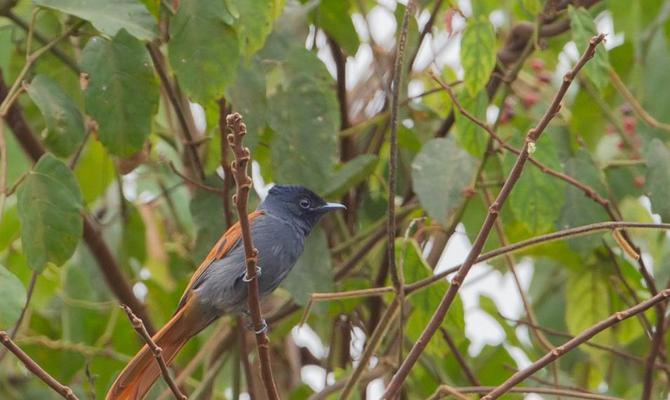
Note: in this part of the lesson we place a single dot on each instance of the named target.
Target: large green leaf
(49, 205)
(313, 272)
(537, 198)
(658, 178)
(579, 209)
(65, 124)
(583, 29)
(440, 174)
(203, 49)
(587, 302)
(470, 136)
(95, 171)
(247, 93)
(351, 174)
(14, 298)
(254, 24)
(424, 302)
(477, 53)
(304, 115)
(122, 93)
(333, 17)
(109, 17)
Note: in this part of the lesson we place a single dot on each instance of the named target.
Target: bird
(218, 287)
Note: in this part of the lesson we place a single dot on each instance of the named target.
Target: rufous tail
(139, 375)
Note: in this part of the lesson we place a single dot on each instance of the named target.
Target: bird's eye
(304, 203)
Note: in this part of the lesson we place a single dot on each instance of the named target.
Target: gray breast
(221, 288)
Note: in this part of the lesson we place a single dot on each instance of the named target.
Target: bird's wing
(218, 252)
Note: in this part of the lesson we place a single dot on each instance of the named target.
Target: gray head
(298, 205)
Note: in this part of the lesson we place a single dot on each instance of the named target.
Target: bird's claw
(246, 277)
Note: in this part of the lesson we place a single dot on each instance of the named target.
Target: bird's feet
(251, 326)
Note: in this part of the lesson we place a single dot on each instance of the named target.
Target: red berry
(629, 125)
(638, 181)
(544, 77)
(530, 99)
(621, 145)
(537, 65)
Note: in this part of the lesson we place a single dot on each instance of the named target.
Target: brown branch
(469, 374)
(224, 110)
(138, 325)
(575, 342)
(549, 237)
(107, 262)
(183, 115)
(243, 185)
(514, 175)
(36, 370)
(635, 105)
(192, 182)
(575, 394)
(29, 296)
(594, 345)
(244, 359)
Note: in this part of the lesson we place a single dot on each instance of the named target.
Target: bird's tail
(139, 375)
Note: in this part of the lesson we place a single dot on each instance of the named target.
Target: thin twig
(36, 370)
(576, 341)
(243, 185)
(469, 373)
(183, 114)
(351, 294)
(634, 104)
(537, 390)
(393, 157)
(372, 345)
(514, 175)
(244, 359)
(194, 183)
(138, 325)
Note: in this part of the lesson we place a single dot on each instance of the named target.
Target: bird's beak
(332, 206)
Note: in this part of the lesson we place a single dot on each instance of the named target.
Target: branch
(243, 185)
(635, 105)
(537, 390)
(33, 367)
(182, 114)
(155, 350)
(29, 296)
(514, 175)
(467, 371)
(192, 182)
(549, 237)
(576, 341)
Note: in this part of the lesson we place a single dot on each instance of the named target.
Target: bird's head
(297, 204)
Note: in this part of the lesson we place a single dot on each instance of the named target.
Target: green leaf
(14, 298)
(532, 6)
(94, 171)
(439, 185)
(313, 272)
(203, 49)
(470, 136)
(351, 174)
(408, 257)
(248, 96)
(658, 178)
(254, 24)
(109, 17)
(477, 53)
(333, 17)
(583, 29)
(579, 209)
(304, 115)
(49, 205)
(587, 302)
(65, 124)
(537, 198)
(122, 93)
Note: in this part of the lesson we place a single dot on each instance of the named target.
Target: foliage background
(105, 212)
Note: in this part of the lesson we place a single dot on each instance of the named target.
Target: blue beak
(332, 207)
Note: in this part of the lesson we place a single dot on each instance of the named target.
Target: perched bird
(278, 227)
